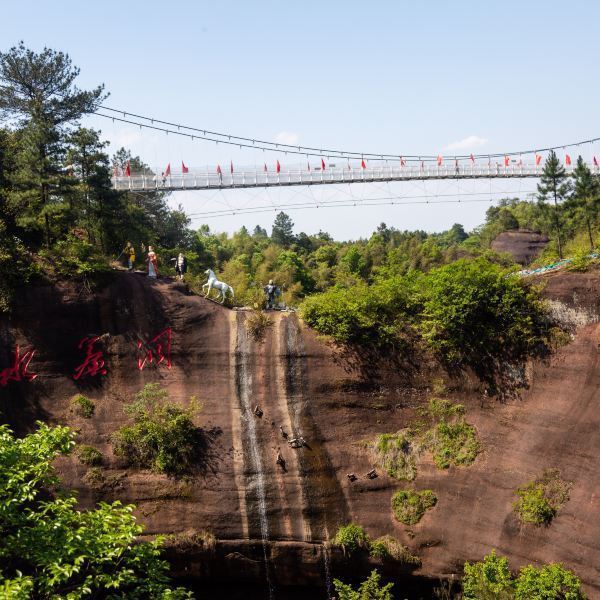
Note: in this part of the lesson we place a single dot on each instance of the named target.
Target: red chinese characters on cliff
(156, 351)
(18, 370)
(93, 363)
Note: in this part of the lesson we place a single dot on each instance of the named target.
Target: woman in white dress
(152, 263)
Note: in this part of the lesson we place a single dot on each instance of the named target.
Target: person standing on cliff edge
(129, 252)
(152, 263)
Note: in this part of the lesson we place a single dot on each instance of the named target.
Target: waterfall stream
(244, 385)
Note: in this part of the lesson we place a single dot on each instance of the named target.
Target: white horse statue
(213, 282)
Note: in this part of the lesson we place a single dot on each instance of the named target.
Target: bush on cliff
(351, 538)
(540, 500)
(409, 506)
(50, 549)
(162, 437)
(470, 313)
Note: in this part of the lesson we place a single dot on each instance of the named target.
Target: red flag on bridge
(128, 170)
(265, 168)
(322, 164)
(167, 172)
(538, 159)
(506, 161)
(472, 158)
(219, 170)
(363, 165)
(184, 169)
(567, 159)
(595, 161)
(278, 167)
(439, 160)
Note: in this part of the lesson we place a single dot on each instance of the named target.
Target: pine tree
(554, 184)
(283, 230)
(39, 97)
(586, 195)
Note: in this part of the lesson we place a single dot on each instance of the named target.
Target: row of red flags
(363, 165)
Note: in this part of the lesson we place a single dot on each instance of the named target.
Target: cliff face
(259, 510)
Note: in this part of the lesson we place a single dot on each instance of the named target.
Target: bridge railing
(260, 178)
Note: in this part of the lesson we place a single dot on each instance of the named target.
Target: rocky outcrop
(523, 245)
(271, 522)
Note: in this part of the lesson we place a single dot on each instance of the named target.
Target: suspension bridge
(252, 177)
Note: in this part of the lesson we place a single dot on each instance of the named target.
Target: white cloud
(287, 137)
(468, 143)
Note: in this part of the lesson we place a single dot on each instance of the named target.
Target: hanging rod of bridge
(259, 178)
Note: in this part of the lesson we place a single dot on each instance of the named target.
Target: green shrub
(89, 456)
(549, 581)
(476, 315)
(83, 407)
(162, 437)
(389, 548)
(409, 506)
(453, 444)
(257, 324)
(540, 500)
(351, 538)
(489, 579)
(395, 455)
(370, 589)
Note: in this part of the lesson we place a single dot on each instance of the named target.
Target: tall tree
(283, 230)
(39, 96)
(554, 184)
(586, 195)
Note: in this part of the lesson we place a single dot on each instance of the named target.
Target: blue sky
(394, 77)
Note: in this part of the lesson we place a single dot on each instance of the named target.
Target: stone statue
(213, 282)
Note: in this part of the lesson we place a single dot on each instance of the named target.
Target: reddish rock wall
(297, 383)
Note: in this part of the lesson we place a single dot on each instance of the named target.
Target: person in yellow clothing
(129, 252)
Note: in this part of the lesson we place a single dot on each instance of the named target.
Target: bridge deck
(252, 178)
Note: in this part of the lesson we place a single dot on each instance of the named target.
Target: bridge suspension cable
(194, 133)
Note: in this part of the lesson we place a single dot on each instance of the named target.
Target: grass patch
(540, 500)
(257, 324)
(162, 437)
(192, 540)
(89, 456)
(351, 538)
(83, 406)
(387, 548)
(409, 506)
(94, 477)
(395, 455)
(441, 429)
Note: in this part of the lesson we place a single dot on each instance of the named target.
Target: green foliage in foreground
(491, 579)
(163, 436)
(370, 589)
(540, 500)
(409, 506)
(49, 549)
